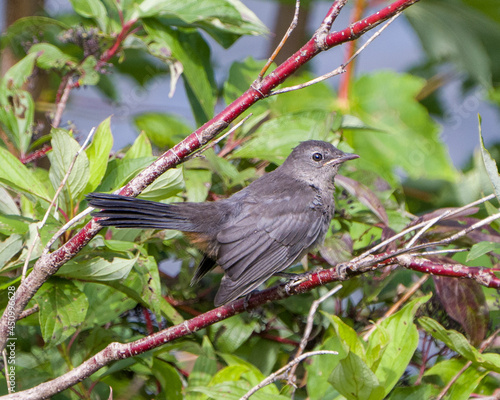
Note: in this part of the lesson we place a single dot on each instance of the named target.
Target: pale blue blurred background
(396, 49)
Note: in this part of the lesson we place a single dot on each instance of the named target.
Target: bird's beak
(340, 160)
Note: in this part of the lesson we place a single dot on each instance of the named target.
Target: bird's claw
(342, 271)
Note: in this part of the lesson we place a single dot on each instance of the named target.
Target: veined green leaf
(163, 130)
(140, 148)
(64, 150)
(98, 154)
(481, 248)
(16, 175)
(490, 165)
(457, 342)
(91, 9)
(98, 269)
(353, 379)
(188, 46)
(50, 56)
(63, 308)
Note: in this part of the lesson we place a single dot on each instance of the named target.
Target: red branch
(36, 154)
(484, 276)
(118, 351)
(49, 264)
(111, 52)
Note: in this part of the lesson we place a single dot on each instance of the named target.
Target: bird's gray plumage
(258, 231)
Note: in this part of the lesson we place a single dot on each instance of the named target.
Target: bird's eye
(317, 156)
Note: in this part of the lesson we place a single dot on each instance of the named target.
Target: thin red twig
(37, 154)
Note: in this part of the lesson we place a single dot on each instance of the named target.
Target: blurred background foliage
(128, 283)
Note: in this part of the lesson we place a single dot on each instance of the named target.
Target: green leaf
(319, 367)
(406, 135)
(481, 248)
(457, 342)
(241, 76)
(98, 269)
(247, 374)
(438, 25)
(205, 367)
(462, 387)
(51, 57)
(379, 340)
(187, 46)
(7, 204)
(16, 175)
(91, 9)
(64, 150)
(105, 304)
(120, 172)
(355, 380)
(19, 73)
(490, 165)
(88, 74)
(275, 138)
(13, 224)
(167, 185)
(16, 105)
(235, 390)
(9, 248)
(198, 182)
(63, 308)
(140, 148)
(348, 336)
(26, 28)
(164, 130)
(411, 393)
(224, 20)
(98, 154)
(403, 343)
(133, 286)
(151, 284)
(169, 379)
(230, 334)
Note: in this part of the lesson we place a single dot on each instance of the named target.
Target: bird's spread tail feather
(129, 212)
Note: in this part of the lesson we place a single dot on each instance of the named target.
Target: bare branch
(418, 226)
(65, 227)
(287, 34)
(426, 227)
(307, 331)
(61, 104)
(278, 374)
(214, 142)
(339, 70)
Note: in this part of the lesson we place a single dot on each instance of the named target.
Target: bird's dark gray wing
(265, 241)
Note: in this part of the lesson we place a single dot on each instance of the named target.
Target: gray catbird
(257, 232)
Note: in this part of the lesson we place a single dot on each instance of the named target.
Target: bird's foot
(342, 270)
(297, 279)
